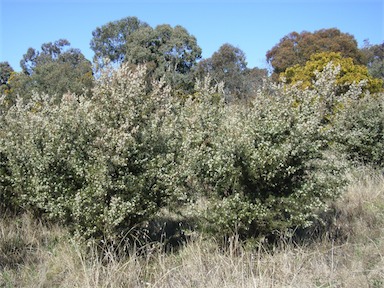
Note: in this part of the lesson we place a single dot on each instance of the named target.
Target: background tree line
(173, 54)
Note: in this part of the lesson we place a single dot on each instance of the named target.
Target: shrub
(349, 72)
(262, 167)
(6, 199)
(101, 165)
(360, 129)
(107, 164)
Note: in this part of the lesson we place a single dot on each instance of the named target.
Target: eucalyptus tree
(374, 57)
(5, 72)
(55, 69)
(109, 41)
(229, 65)
(168, 52)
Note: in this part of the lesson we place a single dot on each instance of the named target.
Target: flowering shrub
(348, 74)
(101, 165)
(265, 166)
(106, 164)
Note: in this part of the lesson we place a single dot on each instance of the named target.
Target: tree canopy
(109, 41)
(6, 71)
(229, 65)
(374, 57)
(297, 48)
(169, 52)
(54, 70)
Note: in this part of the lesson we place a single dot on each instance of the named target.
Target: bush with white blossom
(107, 164)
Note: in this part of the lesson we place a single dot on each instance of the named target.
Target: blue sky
(254, 26)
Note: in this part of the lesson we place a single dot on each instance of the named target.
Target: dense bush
(6, 197)
(359, 128)
(106, 164)
(100, 165)
(265, 166)
(348, 74)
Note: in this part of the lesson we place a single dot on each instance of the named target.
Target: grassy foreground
(348, 251)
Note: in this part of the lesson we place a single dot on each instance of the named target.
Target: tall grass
(350, 253)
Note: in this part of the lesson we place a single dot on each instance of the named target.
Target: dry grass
(34, 255)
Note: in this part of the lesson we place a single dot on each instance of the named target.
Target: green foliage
(5, 72)
(100, 165)
(255, 78)
(109, 41)
(49, 52)
(374, 57)
(106, 164)
(54, 70)
(264, 166)
(18, 84)
(168, 52)
(6, 197)
(227, 65)
(360, 130)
